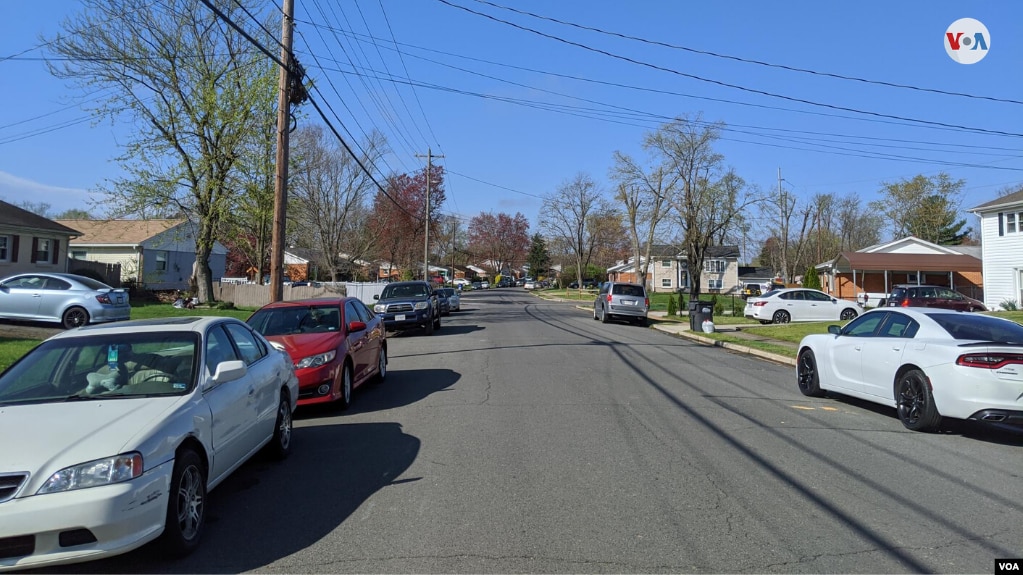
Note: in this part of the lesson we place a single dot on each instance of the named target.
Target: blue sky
(577, 106)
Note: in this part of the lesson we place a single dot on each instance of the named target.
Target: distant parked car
(621, 301)
(452, 297)
(114, 434)
(798, 304)
(336, 344)
(908, 295)
(461, 282)
(477, 285)
(484, 284)
(530, 284)
(69, 299)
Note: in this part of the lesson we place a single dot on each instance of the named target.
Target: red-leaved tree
(499, 240)
(399, 217)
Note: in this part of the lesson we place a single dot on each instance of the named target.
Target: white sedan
(115, 433)
(798, 304)
(925, 362)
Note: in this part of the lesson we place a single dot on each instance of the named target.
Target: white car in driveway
(798, 304)
(114, 434)
(927, 363)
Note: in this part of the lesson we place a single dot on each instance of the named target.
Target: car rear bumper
(626, 310)
(110, 314)
(119, 517)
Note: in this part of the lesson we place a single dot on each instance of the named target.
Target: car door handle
(896, 348)
(857, 348)
(252, 391)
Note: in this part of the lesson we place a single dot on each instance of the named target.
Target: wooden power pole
(429, 181)
(281, 182)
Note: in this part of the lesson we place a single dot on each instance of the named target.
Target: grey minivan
(621, 301)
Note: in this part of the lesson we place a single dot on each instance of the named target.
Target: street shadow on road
(401, 388)
(268, 510)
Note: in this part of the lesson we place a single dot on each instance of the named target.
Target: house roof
(909, 262)
(121, 232)
(666, 251)
(1011, 199)
(13, 216)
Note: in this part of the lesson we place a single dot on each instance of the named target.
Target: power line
(725, 84)
(749, 60)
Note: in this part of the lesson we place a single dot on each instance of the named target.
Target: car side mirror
(376, 296)
(834, 330)
(229, 371)
(356, 326)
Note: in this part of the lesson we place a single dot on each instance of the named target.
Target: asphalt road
(526, 437)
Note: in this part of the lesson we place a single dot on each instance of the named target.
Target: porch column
(951, 281)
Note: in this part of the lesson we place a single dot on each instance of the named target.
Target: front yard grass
(11, 349)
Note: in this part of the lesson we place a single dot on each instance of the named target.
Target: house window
(714, 283)
(161, 261)
(1010, 223)
(665, 282)
(5, 248)
(715, 266)
(78, 254)
(665, 263)
(42, 250)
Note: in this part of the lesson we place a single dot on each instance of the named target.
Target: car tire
(595, 318)
(847, 314)
(381, 366)
(74, 317)
(807, 376)
(915, 403)
(436, 323)
(186, 505)
(603, 315)
(280, 444)
(345, 401)
(781, 316)
(428, 327)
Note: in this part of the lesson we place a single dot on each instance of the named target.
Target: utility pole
(281, 182)
(429, 181)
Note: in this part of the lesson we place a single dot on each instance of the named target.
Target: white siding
(1003, 258)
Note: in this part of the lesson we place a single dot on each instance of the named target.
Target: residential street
(525, 437)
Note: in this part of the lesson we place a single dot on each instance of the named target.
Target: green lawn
(11, 349)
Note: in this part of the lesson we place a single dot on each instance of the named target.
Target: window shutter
(14, 249)
(1001, 224)
(56, 250)
(35, 249)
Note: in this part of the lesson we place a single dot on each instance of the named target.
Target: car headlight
(95, 473)
(316, 360)
(422, 305)
(380, 308)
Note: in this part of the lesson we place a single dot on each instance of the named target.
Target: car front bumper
(406, 320)
(120, 517)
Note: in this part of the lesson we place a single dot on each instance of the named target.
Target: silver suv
(621, 301)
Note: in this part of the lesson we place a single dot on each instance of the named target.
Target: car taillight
(759, 303)
(646, 302)
(905, 303)
(104, 298)
(608, 298)
(989, 360)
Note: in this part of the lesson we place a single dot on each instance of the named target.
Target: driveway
(27, 330)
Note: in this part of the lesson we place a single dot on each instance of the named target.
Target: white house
(667, 272)
(1001, 238)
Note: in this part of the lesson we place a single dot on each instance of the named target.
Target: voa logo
(967, 41)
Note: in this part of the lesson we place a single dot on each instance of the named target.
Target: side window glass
(218, 349)
(352, 313)
(899, 325)
(55, 284)
(863, 326)
(786, 296)
(247, 345)
(366, 313)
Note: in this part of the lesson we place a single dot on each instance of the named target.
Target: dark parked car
(932, 296)
(336, 344)
(408, 305)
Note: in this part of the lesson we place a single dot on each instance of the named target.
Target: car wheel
(603, 315)
(436, 323)
(915, 403)
(595, 318)
(75, 317)
(848, 314)
(428, 327)
(186, 508)
(807, 376)
(345, 401)
(280, 446)
(381, 365)
(781, 316)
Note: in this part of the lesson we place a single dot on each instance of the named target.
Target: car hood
(52, 436)
(301, 345)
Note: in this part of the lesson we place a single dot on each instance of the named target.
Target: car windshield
(980, 327)
(103, 366)
(408, 290)
(294, 320)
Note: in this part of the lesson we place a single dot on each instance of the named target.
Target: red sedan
(337, 345)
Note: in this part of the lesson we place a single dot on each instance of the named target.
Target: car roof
(306, 302)
(161, 324)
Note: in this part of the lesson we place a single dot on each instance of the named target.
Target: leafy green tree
(539, 258)
(925, 207)
(810, 279)
(195, 92)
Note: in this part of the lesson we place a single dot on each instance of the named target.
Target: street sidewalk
(681, 329)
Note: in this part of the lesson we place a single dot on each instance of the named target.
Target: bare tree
(565, 217)
(328, 188)
(709, 200)
(193, 88)
(645, 195)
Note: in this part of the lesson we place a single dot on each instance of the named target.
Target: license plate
(399, 317)
(627, 302)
